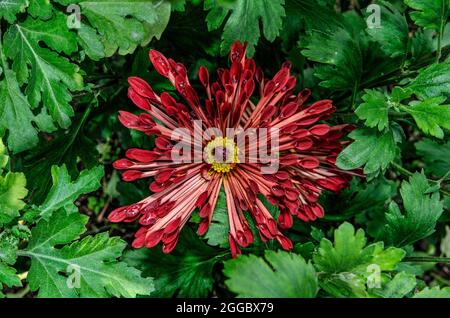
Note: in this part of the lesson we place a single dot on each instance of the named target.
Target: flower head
(299, 165)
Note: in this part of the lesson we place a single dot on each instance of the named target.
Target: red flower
(306, 153)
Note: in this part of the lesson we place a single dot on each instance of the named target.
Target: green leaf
(435, 292)
(430, 14)
(8, 248)
(9, 9)
(435, 156)
(91, 42)
(360, 198)
(431, 116)
(186, 272)
(8, 256)
(433, 81)
(371, 149)
(347, 263)
(308, 15)
(65, 147)
(350, 253)
(8, 277)
(40, 9)
(217, 234)
(445, 242)
(341, 52)
(12, 192)
(278, 274)
(392, 34)
(422, 210)
(64, 191)
(401, 285)
(16, 116)
(374, 110)
(51, 77)
(422, 44)
(120, 25)
(244, 20)
(86, 268)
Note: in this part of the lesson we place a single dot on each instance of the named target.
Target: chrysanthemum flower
(306, 153)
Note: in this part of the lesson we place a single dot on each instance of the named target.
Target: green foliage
(435, 156)
(341, 53)
(12, 190)
(63, 81)
(68, 148)
(430, 14)
(392, 34)
(64, 191)
(433, 81)
(48, 76)
(348, 262)
(16, 115)
(278, 274)
(374, 110)
(119, 25)
(371, 149)
(217, 234)
(244, 20)
(431, 116)
(8, 256)
(185, 272)
(360, 199)
(90, 264)
(401, 285)
(39, 48)
(434, 292)
(422, 210)
(11, 8)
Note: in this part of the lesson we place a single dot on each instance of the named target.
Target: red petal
(237, 51)
(304, 144)
(285, 220)
(277, 191)
(167, 248)
(203, 227)
(285, 243)
(141, 155)
(201, 199)
(138, 242)
(118, 215)
(160, 63)
(141, 87)
(153, 237)
(320, 130)
(163, 144)
(309, 163)
(203, 75)
(204, 212)
(122, 164)
(131, 175)
(233, 246)
(128, 119)
(138, 100)
(164, 175)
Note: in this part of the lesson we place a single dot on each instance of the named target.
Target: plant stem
(408, 173)
(439, 48)
(427, 259)
(402, 170)
(355, 91)
(440, 34)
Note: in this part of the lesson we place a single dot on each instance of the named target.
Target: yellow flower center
(222, 154)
